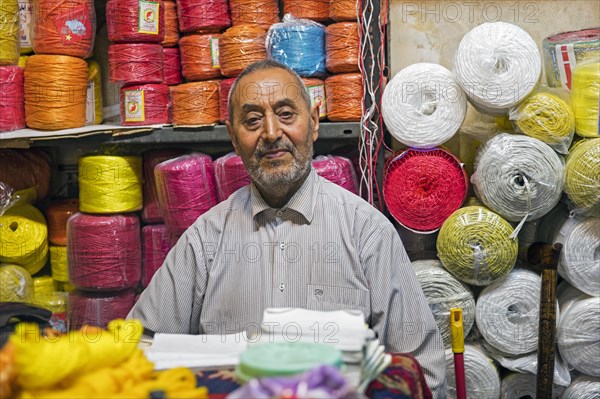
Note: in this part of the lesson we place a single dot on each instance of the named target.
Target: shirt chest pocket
(329, 297)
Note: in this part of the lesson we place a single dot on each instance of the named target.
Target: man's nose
(272, 131)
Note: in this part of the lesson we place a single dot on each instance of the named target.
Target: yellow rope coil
(9, 32)
(54, 301)
(43, 285)
(582, 176)
(15, 284)
(58, 264)
(585, 92)
(24, 237)
(110, 184)
(474, 244)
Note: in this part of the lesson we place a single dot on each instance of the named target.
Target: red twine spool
(12, 104)
(155, 247)
(151, 211)
(135, 63)
(206, 15)
(98, 309)
(195, 103)
(230, 175)
(172, 66)
(134, 21)
(171, 25)
(145, 105)
(104, 251)
(422, 188)
(57, 214)
(186, 189)
(26, 169)
(338, 170)
(200, 56)
(224, 89)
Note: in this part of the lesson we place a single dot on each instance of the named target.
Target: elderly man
(290, 239)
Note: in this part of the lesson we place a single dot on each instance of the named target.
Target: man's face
(273, 131)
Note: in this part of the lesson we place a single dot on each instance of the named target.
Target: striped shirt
(327, 249)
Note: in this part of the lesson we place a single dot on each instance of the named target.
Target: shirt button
(281, 287)
(279, 213)
(282, 245)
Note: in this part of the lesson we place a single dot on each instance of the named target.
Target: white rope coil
(578, 336)
(566, 295)
(497, 65)
(481, 376)
(443, 291)
(518, 385)
(583, 387)
(507, 312)
(423, 106)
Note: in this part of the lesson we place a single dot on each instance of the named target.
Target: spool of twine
(16, 284)
(343, 10)
(172, 66)
(338, 170)
(151, 211)
(12, 110)
(224, 89)
(133, 21)
(28, 172)
(195, 103)
(57, 214)
(171, 25)
(316, 10)
(59, 264)
(585, 97)
(481, 377)
(344, 93)
(97, 309)
(9, 33)
(240, 46)
(155, 247)
(230, 175)
(145, 105)
(254, 12)
(582, 176)
(520, 385)
(583, 387)
(200, 56)
(203, 15)
(135, 63)
(43, 285)
(341, 45)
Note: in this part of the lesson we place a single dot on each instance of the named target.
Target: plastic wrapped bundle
(132, 21)
(583, 387)
(338, 170)
(155, 247)
(230, 175)
(151, 211)
(143, 105)
(12, 110)
(582, 177)
(482, 379)
(517, 385)
(16, 284)
(135, 63)
(586, 94)
(97, 309)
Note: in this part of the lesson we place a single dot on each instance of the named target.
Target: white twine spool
(423, 106)
(583, 387)
(578, 336)
(481, 376)
(551, 222)
(507, 312)
(518, 385)
(443, 291)
(567, 295)
(497, 65)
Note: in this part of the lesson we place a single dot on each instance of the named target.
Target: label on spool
(565, 62)
(148, 21)
(134, 106)
(317, 93)
(25, 22)
(74, 25)
(214, 52)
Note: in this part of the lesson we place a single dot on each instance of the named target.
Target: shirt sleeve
(172, 302)
(400, 314)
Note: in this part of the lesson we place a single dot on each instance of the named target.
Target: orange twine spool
(64, 27)
(241, 46)
(262, 13)
(341, 46)
(55, 92)
(26, 169)
(316, 91)
(195, 103)
(316, 10)
(200, 56)
(57, 215)
(171, 25)
(344, 97)
(343, 10)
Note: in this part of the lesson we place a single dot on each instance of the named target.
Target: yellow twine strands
(15, 284)
(585, 92)
(110, 184)
(54, 301)
(43, 285)
(582, 176)
(24, 238)
(474, 244)
(59, 264)
(9, 32)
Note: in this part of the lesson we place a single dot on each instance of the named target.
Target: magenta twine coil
(205, 15)
(230, 175)
(186, 189)
(151, 212)
(155, 247)
(104, 251)
(172, 66)
(12, 104)
(338, 170)
(97, 309)
(147, 104)
(135, 63)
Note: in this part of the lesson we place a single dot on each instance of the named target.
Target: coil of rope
(172, 66)
(9, 33)
(230, 175)
(520, 385)
(12, 110)
(316, 10)
(98, 309)
(586, 86)
(195, 103)
(254, 12)
(343, 10)
(16, 284)
(497, 64)
(341, 46)
(57, 214)
(316, 91)
(208, 15)
(240, 46)
(338, 170)
(199, 60)
(171, 25)
(155, 247)
(59, 263)
(583, 387)
(482, 378)
(135, 63)
(132, 21)
(582, 176)
(225, 86)
(145, 105)
(151, 212)
(343, 95)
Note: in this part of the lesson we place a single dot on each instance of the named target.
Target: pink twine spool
(12, 104)
(98, 309)
(131, 21)
(104, 252)
(224, 89)
(135, 63)
(151, 212)
(230, 175)
(145, 105)
(205, 15)
(172, 66)
(186, 189)
(155, 247)
(338, 170)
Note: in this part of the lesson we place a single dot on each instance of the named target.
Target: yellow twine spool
(474, 244)
(582, 176)
(54, 301)
(9, 32)
(585, 91)
(24, 237)
(110, 184)
(59, 264)
(43, 285)
(15, 284)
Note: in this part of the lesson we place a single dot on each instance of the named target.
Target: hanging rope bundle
(239, 47)
(586, 88)
(200, 56)
(28, 172)
(12, 110)
(63, 27)
(97, 309)
(338, 170)
(422, 188)
(343, 10)
(475, 245)
(546, 117)
(195, 103)
(135, 63)
(110, 184)
(444, 292)
(224, 89)
(24, 238)
(482, 378)
(16, 284)
(172, 66)
(344, 92)
(155, 247)
(583, 387)
(145, 105)
(104, 251)
(206, 15)
(578, 337)
(55, 92)
(186, 189)
(230, 175)
(341, 45)
(423, 106)
(9, 32)
(316, 10)
(497, 64)
(582, 176)
(316, 91)
(59, 263)
(254, 12)
(134, 21)
(520, 385)
(57, 214)
(151, 211)
(171, 25)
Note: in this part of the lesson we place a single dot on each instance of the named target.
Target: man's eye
(286, 114)
(252, 121)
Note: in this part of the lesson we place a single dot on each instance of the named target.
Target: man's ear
(232, 136)
(314, 116)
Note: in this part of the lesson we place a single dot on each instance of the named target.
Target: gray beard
(280, 180)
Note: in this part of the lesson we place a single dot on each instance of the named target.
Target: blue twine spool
(300, 47)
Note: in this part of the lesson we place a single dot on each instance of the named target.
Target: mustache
(263, 149)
